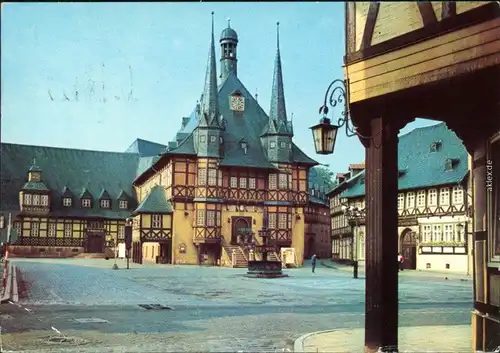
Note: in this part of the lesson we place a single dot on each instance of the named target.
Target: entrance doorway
(165, 254)
(409, 249)
(95, 243)
(242, 228)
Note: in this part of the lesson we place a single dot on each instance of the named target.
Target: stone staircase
(241, 260)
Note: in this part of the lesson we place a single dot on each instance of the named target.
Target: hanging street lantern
(324, 136)
(325, 133)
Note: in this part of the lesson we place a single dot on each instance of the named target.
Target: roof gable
(85, 194)
(66, 192)
(146, 148)
(155, 202)
(248, 127)
(104, 195)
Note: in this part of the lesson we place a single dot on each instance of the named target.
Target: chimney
(185, 121)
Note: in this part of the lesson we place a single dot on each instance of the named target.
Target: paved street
(214, 309)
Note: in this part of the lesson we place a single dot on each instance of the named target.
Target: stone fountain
(264, 268)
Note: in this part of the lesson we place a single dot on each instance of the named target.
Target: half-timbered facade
(434, 204)
(233, 170)
(65, 202)
(439, 60)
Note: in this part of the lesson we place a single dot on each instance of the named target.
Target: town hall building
(231, 171)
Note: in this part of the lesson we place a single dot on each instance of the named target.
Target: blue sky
(151, 59)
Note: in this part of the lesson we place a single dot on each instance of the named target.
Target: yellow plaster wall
(183, 234)
(146, 221)
(298, 230)
(167, 221)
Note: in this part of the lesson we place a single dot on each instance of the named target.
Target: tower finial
(257, 95)
(228, 22)
(278, 109)
(213, 23)
(278, 34)
(208, 106)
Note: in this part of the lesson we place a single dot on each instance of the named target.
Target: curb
(11, 290)
(298, 345)
(8, 285)
(15, 292)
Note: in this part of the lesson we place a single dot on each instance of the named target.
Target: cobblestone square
(84, 305)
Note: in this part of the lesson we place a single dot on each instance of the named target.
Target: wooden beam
(448, 9)
(427, 13)
(350, 26)
(371, 19)
(466, 19)
(381, 302)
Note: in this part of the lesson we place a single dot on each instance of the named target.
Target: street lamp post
(128, 239)
(353, 215)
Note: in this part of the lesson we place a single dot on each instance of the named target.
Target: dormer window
(105, 204)
(435, 146)
(86, 203)
(272, 144)
(123, 204)
(67, 201)
(283, 144)
(450, 164)
(244, 145)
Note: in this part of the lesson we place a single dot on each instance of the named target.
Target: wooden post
(381, 316)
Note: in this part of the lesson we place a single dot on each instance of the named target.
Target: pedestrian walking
(401, 259)
(313, 261)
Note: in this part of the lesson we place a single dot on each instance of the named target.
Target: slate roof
(71, 172)
(146, 148)
(248, 127)
(418, 166)
(155, 202)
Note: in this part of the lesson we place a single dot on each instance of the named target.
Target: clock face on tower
(237, 103)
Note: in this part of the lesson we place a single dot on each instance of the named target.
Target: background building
(433, 204)
(231, 171)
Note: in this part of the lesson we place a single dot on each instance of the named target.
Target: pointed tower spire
(278, 109)
(210, 102)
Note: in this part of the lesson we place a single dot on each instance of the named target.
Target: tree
(323, 176)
